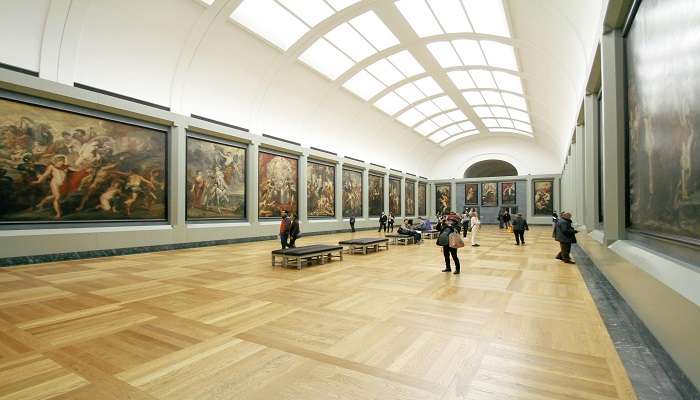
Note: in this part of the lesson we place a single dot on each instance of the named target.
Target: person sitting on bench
(405, 229)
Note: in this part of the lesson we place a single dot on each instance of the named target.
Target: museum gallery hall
(349, 199)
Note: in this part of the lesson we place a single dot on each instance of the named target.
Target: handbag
(455, 240)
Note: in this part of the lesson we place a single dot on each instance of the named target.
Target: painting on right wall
(663, 82)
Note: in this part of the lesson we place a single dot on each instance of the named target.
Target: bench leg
(273, 260)
(341, 256)
(299, 263)
(284, 261)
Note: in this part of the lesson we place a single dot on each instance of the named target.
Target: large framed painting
(663, 82)
(507, 192)
(489, 194)
(410, 206)
(216, 172)
(471, 194)
(543, 196)
(61, 164)
(442, 198)
(277, 184)
(376, 195)
(422, 199)
(320, 189)
(352, 193)
(394, 196)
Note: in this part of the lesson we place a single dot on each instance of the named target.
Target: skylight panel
(451, 15)
(207, 2)
(428, 108)
(428, 86)
(490, 123)
(419, 17)
(445, 103)
(492, 97)
(474, 98)
(426, 128)
(499, 55)
(350, 42)
(271, 21)
(410, 93)
(469, 51)
(514, 101)
(519, 115)
(487, 17)
(326, 59)
(341, 4)
(444, 54)
(508, 81)
(310, 11)
(456, 115)
(483, 79)
(505, 123)
(391, 103)
(483, 112)
(457, 137)
(500, 112)
(364, 85)
(453, 129)
(509, 130)
(441, 120)
(405, 62)
(439, 136)
(374, 30)
(386, 72)
(466, 126)
(410, 117)
(522, 126)
(461, 79)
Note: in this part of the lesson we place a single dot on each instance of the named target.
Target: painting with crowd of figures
(215, 180)
(422, 199)
(60, 166)
(410, 198)
(277, 184)
(471, 194)
(543, 197)
(352, 193)
(507, 192)
(394, 196)
(489, 194)
(442, 198)
(320, 189)
(376, 195)
(663, 82)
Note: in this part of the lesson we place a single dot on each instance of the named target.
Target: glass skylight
(483, 112)
(499, 55)
(406, 63)
(461, 79)
(410, 117)
(474, 98)
(457, 137)
(271, 21)
(505, 123)
(451, 16)
(326, 59)
(444, 54)
(439, 136)
(466, 126)
(386, 72)
(483, 79)
(427, 127)
(441, 120)
(522, 126)
(484, 16)
(469, 51)
(364, 85)
(490, 123)
(419, 16)
(500, 112)
(410, 93)
(452, 129)
(445, 103)
(374, 30)
(350, 42)
(492, 97)
(207, 2)
(428, 108)
(514, 101)
(391, 103)
(339, 4)
(519, 115)
(457, 115)
(487, 17)
(310, 11)
(428, 86)
(508, 82)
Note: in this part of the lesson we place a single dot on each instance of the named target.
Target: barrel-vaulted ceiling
(447, 69)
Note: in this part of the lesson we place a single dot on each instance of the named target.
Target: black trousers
(283, 240)
(292, 240)
(565, 249)
(352, 226)
(447, 251)
(391, 226)
(382, 225)
(519, 236)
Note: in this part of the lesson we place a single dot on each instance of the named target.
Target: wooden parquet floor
(221, 323)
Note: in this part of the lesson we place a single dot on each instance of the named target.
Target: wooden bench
(317, 252)
(431, 234)
(397, 239)
(363, 244)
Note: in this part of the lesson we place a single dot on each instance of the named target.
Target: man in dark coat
(519, 228)
(382, 223)
(565, 234)
(352, 223)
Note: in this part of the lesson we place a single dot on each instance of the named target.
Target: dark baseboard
(651, 369)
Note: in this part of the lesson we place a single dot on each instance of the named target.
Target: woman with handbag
(450, 240)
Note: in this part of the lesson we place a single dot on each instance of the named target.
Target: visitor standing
(352, 223)
(465, 222)
(382, 222)
(519, 228)
(555, 219)
(285, 225)
(506, 218)
(446, 239)
(500, 218)
(565, 234)
(475, 225)
(390, 222)
(294, 232)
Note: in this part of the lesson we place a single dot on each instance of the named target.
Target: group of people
(386, 222)
(289, 230)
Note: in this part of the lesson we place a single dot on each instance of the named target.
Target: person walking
(448, 228)
(285, 225)
(294, 232)
(519, 228)
(475, 225)
(390, 222)
(465, 223)
(352, 223)
(565, 234)
(382, 222)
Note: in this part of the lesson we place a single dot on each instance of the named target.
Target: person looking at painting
(285, 227)
(294, 232)
(352, 223)
(565, 234)
(448, 227)
(382, 222)
(390, 222)
(519, 228)
(475, 224)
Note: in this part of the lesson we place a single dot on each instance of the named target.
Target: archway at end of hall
(490, 168)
